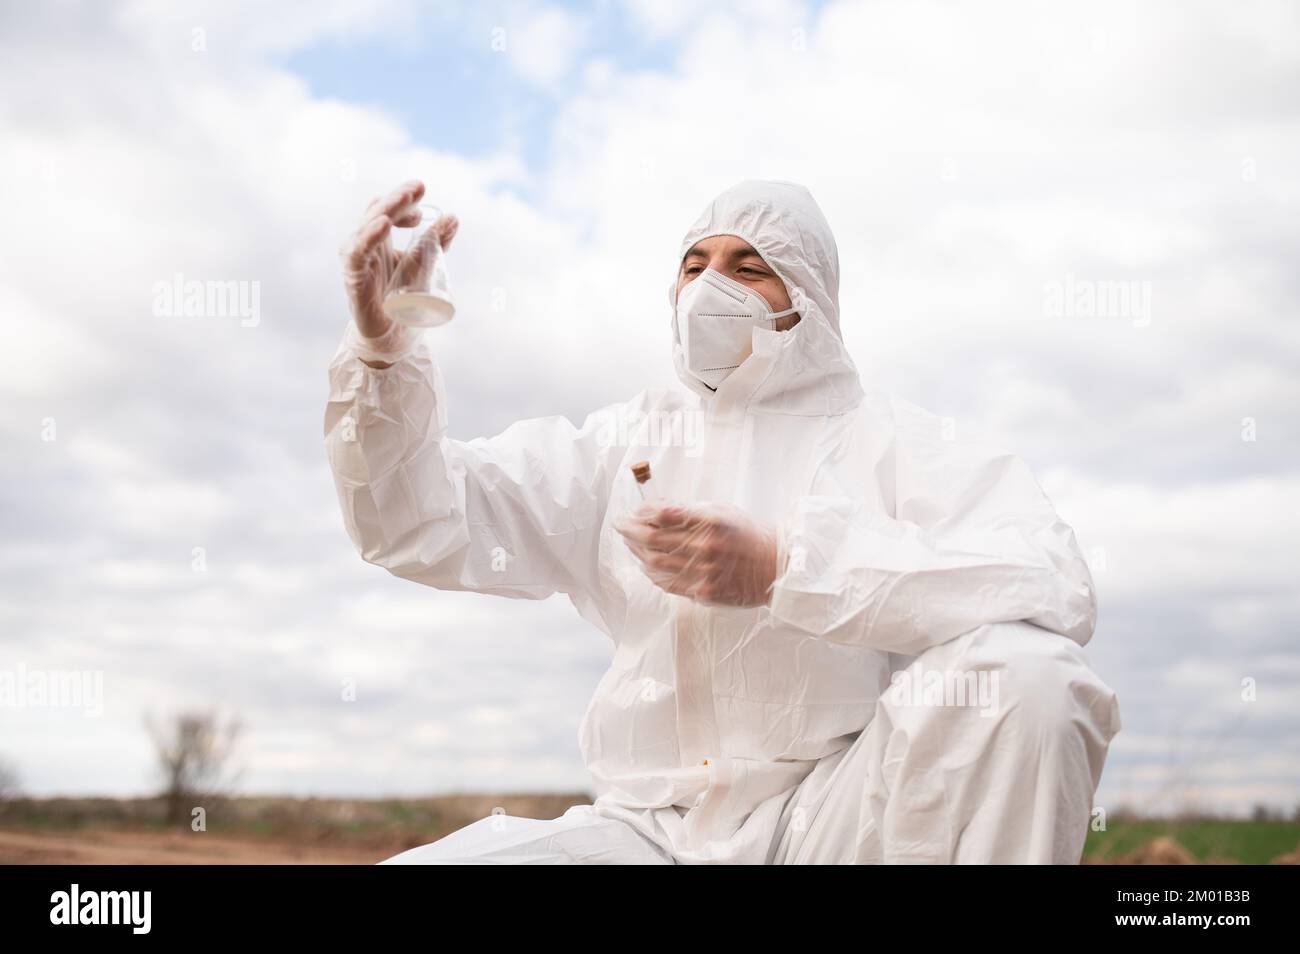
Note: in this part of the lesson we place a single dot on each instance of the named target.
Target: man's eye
(691, 269)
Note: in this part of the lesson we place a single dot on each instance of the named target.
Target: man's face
(734, 257)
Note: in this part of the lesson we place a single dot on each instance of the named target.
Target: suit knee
(1046, 680)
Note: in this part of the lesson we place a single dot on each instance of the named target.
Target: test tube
(641, 471)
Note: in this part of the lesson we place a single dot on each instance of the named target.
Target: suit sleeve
(973, 540)
(515, 515)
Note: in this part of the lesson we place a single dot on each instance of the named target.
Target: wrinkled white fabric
(391, 345)
(713, 725)
(1007, 782)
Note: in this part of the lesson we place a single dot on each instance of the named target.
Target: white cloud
(542, 42)
(1160, 541)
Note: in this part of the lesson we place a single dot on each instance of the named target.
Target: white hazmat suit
(824, 725)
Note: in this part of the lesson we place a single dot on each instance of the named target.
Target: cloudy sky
(169, 519)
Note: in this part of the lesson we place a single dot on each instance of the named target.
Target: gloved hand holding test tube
(419, 295)
(390, 292)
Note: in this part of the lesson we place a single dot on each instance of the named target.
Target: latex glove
(370, 261)
(713, 553)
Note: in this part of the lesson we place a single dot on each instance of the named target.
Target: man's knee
(977, 735)
(1044, 682)
(1008, 673)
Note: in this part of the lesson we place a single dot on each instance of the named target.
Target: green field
(1207, 840)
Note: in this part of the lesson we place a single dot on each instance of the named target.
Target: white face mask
(715, 321)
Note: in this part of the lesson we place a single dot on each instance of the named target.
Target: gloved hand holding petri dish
(418, 294)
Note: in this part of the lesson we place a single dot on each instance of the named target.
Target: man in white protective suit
(839, 636)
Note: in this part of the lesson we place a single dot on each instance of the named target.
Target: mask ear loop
(798, 305)
(798, 300)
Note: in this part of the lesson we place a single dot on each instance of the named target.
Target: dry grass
(247, 830)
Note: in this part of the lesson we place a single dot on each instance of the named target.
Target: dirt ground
(252, 830)
(90, 847)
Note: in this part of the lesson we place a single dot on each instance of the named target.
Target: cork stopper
(641, 471)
